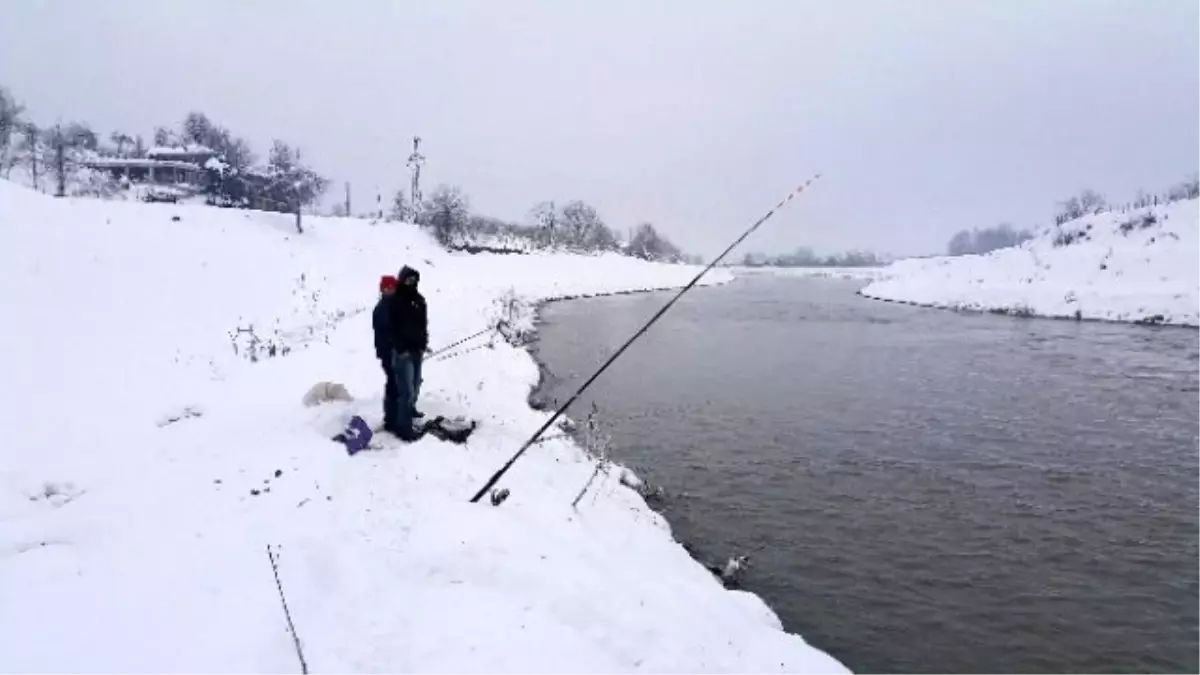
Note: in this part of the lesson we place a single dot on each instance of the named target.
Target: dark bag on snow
(356, 436)
(455, 430)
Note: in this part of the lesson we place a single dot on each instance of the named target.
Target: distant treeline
(574, 226)
(805, 257)
(977, 241)
(62, 158)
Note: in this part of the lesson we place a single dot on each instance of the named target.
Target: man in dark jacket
(383, 345)
(409, 330)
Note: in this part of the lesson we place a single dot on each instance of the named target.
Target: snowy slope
(1143, 265)
(129, 536)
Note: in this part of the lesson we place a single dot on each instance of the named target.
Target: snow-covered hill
(155, 357)
(1143, 265)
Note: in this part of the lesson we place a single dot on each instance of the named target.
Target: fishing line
(641, 331)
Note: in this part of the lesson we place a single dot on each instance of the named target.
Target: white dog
(322, 392)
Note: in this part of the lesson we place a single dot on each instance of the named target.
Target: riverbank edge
(544, 372)
(1021, 313)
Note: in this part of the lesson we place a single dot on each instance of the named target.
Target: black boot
(412, 434)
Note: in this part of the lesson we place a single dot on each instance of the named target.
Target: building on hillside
(180, 170)
(146, 170)
(192, 154)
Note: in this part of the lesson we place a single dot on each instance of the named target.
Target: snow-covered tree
(648, 244)
(120, 139)
(968, 242)
(544, 217)
(1086, 202)
(10, 128)
(578, 219)
(1091, 201)
(281, 157)
(164, 137)
(80, 135)
(400, 210)
(69, 147)
(445, 213)
(199, 130)
(1188, 189)
(580, 227)
(291, 184)
(31, 153)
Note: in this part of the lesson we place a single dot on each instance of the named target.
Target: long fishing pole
(491, 327)
(617, 354)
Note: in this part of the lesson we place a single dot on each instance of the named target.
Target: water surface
(919, 490)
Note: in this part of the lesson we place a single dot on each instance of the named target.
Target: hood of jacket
(407, 272)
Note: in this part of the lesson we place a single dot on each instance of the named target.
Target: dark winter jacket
(383, 333)
(407, 320)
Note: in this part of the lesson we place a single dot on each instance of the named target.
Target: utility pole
(297, 203)
(348, 212)
(60, 161)
(31, 139)
(415, 160)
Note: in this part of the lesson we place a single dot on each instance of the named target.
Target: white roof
(190, 149)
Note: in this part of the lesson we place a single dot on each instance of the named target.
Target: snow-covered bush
(1138, 223)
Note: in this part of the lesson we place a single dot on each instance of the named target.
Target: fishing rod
(641, 331)
(490, 344)
(491, 327)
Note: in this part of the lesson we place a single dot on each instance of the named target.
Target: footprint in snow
(56, 494)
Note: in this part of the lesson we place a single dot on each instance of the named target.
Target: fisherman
(408, 329)
(383, 345)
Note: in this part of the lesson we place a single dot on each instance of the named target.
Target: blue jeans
(389, 391)
(405, 371)
(417, 359)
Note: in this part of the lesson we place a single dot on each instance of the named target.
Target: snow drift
(1139, 266)
(155, 358)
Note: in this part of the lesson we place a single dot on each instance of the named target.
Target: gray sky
(924, 116)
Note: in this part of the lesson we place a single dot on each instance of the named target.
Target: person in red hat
(383, 346)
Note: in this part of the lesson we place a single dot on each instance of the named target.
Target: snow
(167, 151)
(129, 536)
(1138, 266)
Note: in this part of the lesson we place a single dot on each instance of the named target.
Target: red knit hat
(387, 281)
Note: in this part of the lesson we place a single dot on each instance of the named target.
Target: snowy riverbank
(149, 463)
(1139, 266)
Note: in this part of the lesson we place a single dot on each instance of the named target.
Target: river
(919, 490)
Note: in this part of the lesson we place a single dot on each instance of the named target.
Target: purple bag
(357, 435)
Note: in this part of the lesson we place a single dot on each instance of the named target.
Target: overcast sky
(925, 117)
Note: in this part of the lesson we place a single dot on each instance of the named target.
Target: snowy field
(155, 360)
(1139, 266)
